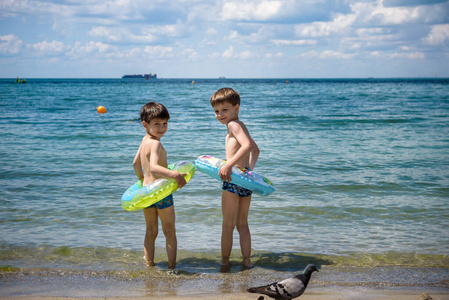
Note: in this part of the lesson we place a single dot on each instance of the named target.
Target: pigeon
(289, 288)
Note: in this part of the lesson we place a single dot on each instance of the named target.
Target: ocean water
(360, 166)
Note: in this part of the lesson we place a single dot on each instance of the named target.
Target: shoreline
(44, 285)
(347, 294)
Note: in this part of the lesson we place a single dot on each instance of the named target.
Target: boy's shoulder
(146, 140)
(236, 124)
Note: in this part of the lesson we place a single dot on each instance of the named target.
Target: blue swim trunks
(164, 203)
(235, 189)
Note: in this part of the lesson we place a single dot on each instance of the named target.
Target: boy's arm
(245, 149)
(253, 155)
(137, 164)
(161, 171)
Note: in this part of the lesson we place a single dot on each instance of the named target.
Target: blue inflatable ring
(240, 176)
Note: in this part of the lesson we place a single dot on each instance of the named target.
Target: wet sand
(72, 288)
(376, 283)
(312, 295)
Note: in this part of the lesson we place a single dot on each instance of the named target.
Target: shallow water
(360, 169)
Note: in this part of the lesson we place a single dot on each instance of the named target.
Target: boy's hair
(225, 95)
(153, 110)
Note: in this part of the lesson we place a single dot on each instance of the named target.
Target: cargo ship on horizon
(146, 76)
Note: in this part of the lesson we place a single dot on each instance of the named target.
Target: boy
(151, 160)
(241, 150)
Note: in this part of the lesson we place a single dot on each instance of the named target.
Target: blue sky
(236, 39)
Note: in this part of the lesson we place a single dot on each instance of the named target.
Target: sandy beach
(312, 295)
(403, 283)
(29, 287)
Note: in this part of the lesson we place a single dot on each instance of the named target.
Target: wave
(100, 259)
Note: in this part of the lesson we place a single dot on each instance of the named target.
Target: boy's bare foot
(149, 263)
(225, 265)
(247, 263)
(172, 266)
(225, 261)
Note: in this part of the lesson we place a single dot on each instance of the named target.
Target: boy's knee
(228, 225)
(242, 226)
(169, 229)
(152, 233)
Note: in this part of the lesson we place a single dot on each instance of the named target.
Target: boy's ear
(144, 124)
(237, 107)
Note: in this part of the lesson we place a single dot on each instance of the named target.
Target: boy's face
(156, 128)
(226, 112)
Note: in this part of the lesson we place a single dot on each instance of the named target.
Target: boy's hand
(180, 180)
(225, 173)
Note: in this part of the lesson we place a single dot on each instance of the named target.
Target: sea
(360, 167)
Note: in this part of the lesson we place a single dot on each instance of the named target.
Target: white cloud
(139, 35)
(438, 35)
(409, 55)
(206, 42)
(47, 47)
(251, 10)
(406, 55)
(99, 47)
(270, 55)
(254, 34)
(159, 51)
(338, 26)
(14, 8)
(233, 35)
(368, 32)
(246, 54)
(376, 14)
(170, 30)
(327, 54)
(89, 49)
(211, 31)
(393, 15)
(190, 53)
(107, 32)
(295, 42)
(10, 44)
(113, 34)
(229, 53)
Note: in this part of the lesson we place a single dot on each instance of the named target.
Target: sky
(234, 39)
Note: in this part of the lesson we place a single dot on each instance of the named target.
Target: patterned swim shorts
(235, 189)
(164, 203)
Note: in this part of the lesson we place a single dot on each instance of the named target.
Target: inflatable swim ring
(138, 196)
(240, 176)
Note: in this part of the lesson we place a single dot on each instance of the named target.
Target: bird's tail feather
(255, 289)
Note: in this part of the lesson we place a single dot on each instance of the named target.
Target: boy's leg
(243, 229)
(229, 207)
(167, 216)
(150, 234)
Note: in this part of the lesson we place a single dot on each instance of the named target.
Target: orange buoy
(101, 110)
